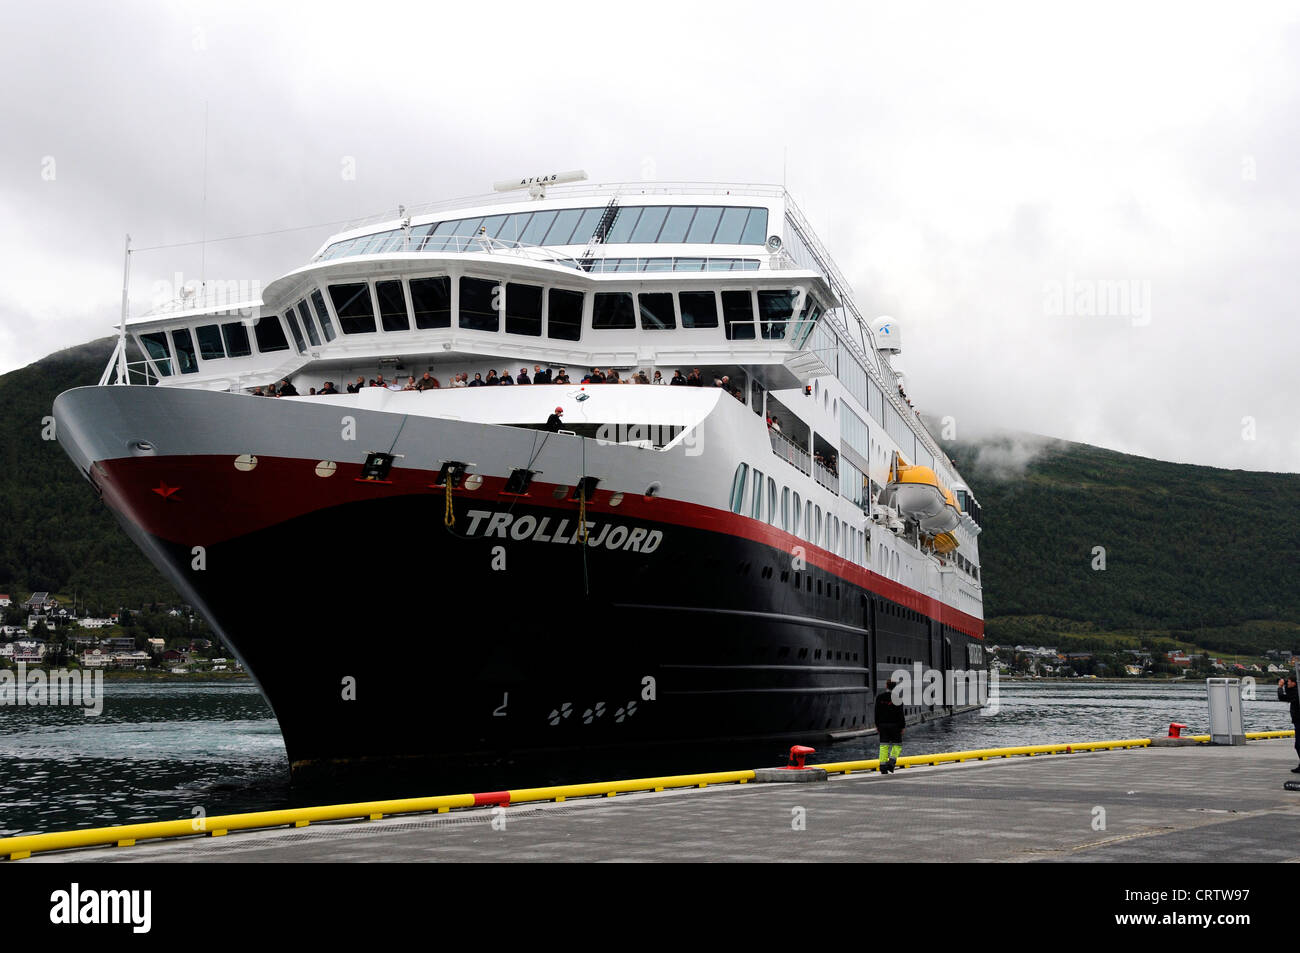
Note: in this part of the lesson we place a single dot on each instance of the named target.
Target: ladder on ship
(588, 260)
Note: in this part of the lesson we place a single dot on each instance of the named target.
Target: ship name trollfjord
(745, 555)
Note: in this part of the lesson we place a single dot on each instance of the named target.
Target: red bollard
(798, 754)
(1175, 729)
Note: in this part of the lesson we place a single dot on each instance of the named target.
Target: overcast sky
(987, 177)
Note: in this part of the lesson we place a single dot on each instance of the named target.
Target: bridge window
(295, 330)
(699, 309)
(704, 225)
(586, 226)
(312, 334)
(624, 222)
(323, 315)
(478, 301)
(353, 305)
(155, 345)
(210, 347)
(392, 306)
(738, 315)
(775, 309)
(564, 319)
(236, 336)
(648, 225)
(755, 227)
(431, 300)
(184, 347)
(613, 311)
(738, 488)
(657, 311)
(270, 335)
(538, 227)
(562, 230)
(731, 226)
(524, 309)
(437, 239)
(677, 223)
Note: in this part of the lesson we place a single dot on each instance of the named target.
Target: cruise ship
(713, 517)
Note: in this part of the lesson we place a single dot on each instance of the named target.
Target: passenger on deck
(553, 422)
(612, 377)
(379, 382)
(562, 377)
(678, 379)
(477, 381)
(695, 380)
(287, 389)
(329, 388)
(257, 392)
(410, 383)
(355, 387)
(640, 378)
(461, 380)
(428, 382)
(492, 380)
(659, 378)
(523, 377)
(505, 378)
(541, 376)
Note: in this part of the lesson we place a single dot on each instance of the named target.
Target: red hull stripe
(209, 501)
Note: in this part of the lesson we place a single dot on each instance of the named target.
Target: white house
(5, 600)
(89, 623)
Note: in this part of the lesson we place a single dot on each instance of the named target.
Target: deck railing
(789, 451)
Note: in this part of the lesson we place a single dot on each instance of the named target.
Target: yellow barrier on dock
(18, 848)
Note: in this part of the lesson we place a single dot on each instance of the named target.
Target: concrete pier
(1221, 804)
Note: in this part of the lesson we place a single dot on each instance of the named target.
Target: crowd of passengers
(540, 375)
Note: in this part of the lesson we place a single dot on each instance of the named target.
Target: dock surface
(1222, 804)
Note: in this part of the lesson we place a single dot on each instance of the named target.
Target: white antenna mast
(536, 184)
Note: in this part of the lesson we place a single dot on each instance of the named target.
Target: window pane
(647, 227)
(656, 264)
(586, 226)
(464, 233)
(236, 336)
(775, 309)
(308, 324)
(756, 503)
(624, 222)
(493, 225)
(477, 305)
(270, 335)
(210, 347)
(706, 221)
(657, 311)
(353, 306)
(184, 347)
(679, 220)
(564, 317)
(326, 325)
(732, 224)
(699, 309)
(392, 306)
(524, 309)
(431, 301)
(562, 230)
(688, 264)
(155, 344)
(295, 330)
(613, 310)
(537, 228)
(738, 488)
(514, 226)
(438, 239)
(755, 228)
(738, 307)
(418, 235)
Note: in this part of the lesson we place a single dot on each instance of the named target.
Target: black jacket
(890, 718)
(553, 423)
(1290, 693)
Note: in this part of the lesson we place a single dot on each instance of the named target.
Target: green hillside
(56, 534)
(1194, 554)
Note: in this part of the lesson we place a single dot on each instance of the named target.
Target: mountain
(56, 534)
(1194, 554)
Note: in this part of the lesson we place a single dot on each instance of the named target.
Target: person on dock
(1286, 692)
(890, 721)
